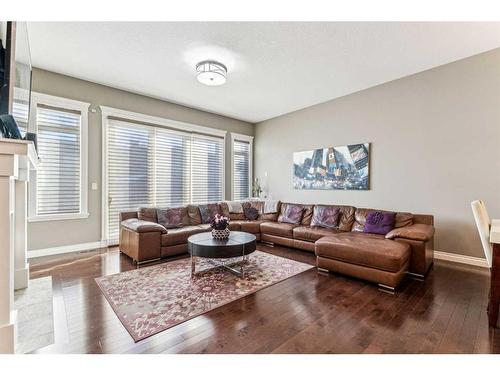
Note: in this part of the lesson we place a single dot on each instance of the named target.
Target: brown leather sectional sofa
(384, 260)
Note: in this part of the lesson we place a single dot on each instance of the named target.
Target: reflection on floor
(35, 324)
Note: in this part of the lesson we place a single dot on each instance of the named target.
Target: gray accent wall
(48, 234)
(435, 146)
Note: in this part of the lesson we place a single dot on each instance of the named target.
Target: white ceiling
(273, 68)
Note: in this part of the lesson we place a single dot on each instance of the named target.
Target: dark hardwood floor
(308, 313)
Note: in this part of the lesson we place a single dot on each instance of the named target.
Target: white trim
(64, 249)
(60, 102)
(243, 138)
(82, 215)
(160, 121)
(152, 121)
(68, 104)
(464, 259)
(104, 177)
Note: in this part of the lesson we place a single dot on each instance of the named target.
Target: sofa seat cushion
(251, 226)
(369, 250)
(205, 227)
(312, 234)
(278, 229)
(234, 225)
(180, 236)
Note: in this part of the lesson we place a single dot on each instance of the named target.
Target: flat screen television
(15, 80)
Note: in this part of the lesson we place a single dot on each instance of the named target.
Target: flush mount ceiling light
(211, 73)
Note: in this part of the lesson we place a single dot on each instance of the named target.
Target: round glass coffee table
(231, 253)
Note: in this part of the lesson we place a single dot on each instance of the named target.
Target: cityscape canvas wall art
(333, 168)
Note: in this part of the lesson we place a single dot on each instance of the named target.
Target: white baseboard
(65, 249)
(21, 278)
(464, 259)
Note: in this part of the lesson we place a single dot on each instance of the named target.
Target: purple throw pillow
(291, 214)
(325, 217)
(379, 222)
(251, 213)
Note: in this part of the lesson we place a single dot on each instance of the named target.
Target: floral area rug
(152, 299)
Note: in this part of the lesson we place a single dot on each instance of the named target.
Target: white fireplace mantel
(17, 158)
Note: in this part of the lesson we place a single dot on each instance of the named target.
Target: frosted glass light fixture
(211, 73)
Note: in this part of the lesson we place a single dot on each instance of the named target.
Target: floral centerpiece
(220, 224)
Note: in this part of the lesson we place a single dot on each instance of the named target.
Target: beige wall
(435, 140)
(43, 235)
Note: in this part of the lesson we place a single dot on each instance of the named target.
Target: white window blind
(207, 158)
(158, 167)
(172, 168)
(241, 169)
(130, 170)
(58, 189)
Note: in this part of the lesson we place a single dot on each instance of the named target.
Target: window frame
(150, 120)
(64, 104)
(242, 138)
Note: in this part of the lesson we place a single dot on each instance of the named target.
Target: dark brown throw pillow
(175, 217)
(251, 213)
(258, 205)
(208, 212)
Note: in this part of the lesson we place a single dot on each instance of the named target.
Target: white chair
(483, 224)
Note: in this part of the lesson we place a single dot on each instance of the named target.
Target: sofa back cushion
(307, 214)
(194, 215)
(291, 213)
(325, 217)
(173, 217)
(402, 219)
(236, 216)
(423, 219)
(346, 219)
(224, 208)
(147, 214)
(208, 211)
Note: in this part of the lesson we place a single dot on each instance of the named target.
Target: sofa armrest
(143, 226)
(128, 215)
(417, 232)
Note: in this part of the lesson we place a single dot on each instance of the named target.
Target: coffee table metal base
(237, 267)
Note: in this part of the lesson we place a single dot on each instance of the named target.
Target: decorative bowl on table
(220, 227)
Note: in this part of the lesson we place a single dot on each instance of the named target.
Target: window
(59, 188)
(156, 166)
(242, 166)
